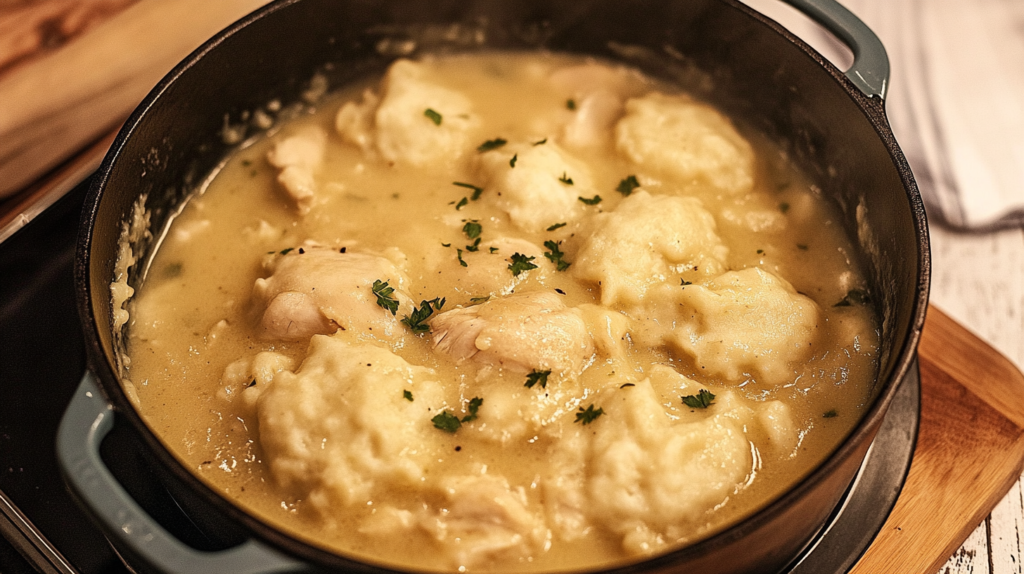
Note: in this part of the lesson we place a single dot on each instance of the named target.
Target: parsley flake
(407, 395)
(684, 282)
(434, 116)
(701, 400)
(554, 254)
(479, 300)
(462, 203)
(624, 385)
(565, 179)
(447, 422)
(556, 226)
(384, 298)
(461, 262)
(415, 321)
(783, 207)
(474, 247)
(473, 407)
(830, 414)
(493, 250)
(472, 229)
(592, 201)
(491, 144)
(537, 378)
(287, 250)
(627, 185)
(854, 296)
(588, 416)
(570, 104)
(520, 263)
(512, 162)
(541, 142)
(476, 190)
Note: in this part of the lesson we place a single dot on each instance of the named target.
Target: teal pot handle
(870, 69)
(86, 422)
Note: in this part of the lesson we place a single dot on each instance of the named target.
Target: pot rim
(99, 363)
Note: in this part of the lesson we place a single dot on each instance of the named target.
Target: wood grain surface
(970, 451)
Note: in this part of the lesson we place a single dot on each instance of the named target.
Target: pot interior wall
(717, 49)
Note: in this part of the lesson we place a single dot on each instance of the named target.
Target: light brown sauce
(206, 268)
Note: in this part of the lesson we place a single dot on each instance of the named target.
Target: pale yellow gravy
(196, 326)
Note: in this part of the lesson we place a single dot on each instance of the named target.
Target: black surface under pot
(833, 125)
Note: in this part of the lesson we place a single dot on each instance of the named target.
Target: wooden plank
(970, 451)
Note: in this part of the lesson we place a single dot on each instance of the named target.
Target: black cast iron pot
(832, 124)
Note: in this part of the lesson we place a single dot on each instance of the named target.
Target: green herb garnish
(474, 247)
(472, 229)
(784, 207)
(801, 247)
(684, 282)
(570, 104)
(537, 378)
(287, 250)
(541, 142)
(830, 414)
(491, 144)
(415, 321)
(384, 298)
(512, 162)
(461, 262)
(592, 201)
(493, 250)
(627, 185)
(479, 300)
(473, 407)
(407, 395)
(554, 254)
(589, 415)
(447, 422)
(476, 190)
(520, 263)
(701, 400)
(556, 226)
(565, 179)
(462, 203)
(627, 385)
(434, 116)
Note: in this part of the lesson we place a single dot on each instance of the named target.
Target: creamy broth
(709, 265)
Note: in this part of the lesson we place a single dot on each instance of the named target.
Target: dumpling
(414, 121)
(339, 430)
(314, 290)
(646, 240)
(687, 140)
(742, 323)
(521, 332)
(541, 187)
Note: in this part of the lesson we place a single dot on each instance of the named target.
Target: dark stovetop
(42, 358)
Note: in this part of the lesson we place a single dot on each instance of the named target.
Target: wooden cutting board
(970, 450)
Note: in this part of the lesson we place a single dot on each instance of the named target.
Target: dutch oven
(831, 123)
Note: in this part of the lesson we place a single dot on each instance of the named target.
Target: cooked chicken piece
(522, 332)
(486, 271)
(314, 290)
(592, 123)
(299, 156)
(414, 121)
(537, 185)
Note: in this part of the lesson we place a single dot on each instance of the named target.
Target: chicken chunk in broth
(516, 311)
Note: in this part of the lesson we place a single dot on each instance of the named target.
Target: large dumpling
(414, 121)
(687, 140)
(647, 240)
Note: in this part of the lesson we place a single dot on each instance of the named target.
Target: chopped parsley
(461, 262)
(588, 416)
(415, 321)
(446, 245)
(537, 378)
(555, 255)
(760, 251)
(512, 162)
(520, 263)
(592, 201)
(541, 142)
(462, 203)
(627, 185)
(473, 407)
(384, 298)
(287, 250)
(556, 226)
(684, 282)
(447, 422)
(479, 300)
(830, 414)
(407, 395)
(565, 179)
(854, 296)
(570, 104)
(701, 400)
(624, 385)
(434, 116)
(493, 250)
(474, 247)
(491, 144)
(476, 190)
(783, 207)
(472, 229)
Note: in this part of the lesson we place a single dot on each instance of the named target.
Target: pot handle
(870, 69)
(87, 420)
